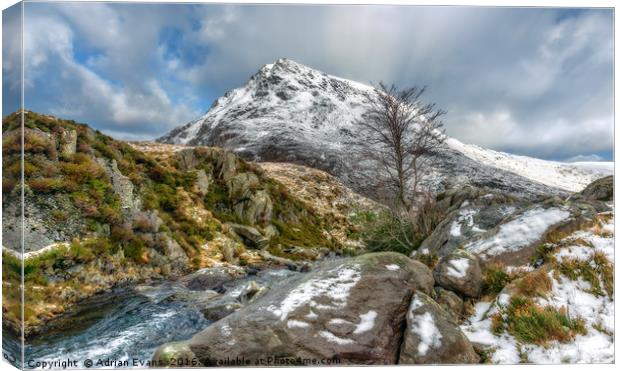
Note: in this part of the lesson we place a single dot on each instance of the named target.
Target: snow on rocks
(465, 219)
(519, 232)
(335, 339)
(424, 327)
(469, 214)
(335, 310)
(432, 336)
(458, 268)
(367, 322)
(291, 323)
(335, 286)
(460, 272)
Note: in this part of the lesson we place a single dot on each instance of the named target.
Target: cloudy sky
(530, 81)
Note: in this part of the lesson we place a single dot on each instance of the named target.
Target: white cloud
(553, 138)
(11, 49)
(535, 81)
(140, 105)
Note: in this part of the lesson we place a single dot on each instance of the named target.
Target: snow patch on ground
(596, 346)
(479, 331)
(392, 267)
(33, 254)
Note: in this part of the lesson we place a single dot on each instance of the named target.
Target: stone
(433, 337)
(258, 210)
(187, 158)
(469, 213)
(334, 311)
(270, 231)
(218, 309)
(460, 272)
(228, 252)
(600, 190)
(211, 278)
(251, 236)
(175, 252)
(227, 163)
(68, 142)
(251, 291)
(147, 221)
(121, 184)
(241, 186)
(175, 355)
(203, 182)
(450, 302)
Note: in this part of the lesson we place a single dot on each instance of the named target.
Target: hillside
(100, 213)
(288, 112)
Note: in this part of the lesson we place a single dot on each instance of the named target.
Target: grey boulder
(432, 336)
(460, 272)
(349, 309)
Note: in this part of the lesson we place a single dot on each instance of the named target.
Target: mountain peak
(284, 66)
(289, 112)
(289, 64)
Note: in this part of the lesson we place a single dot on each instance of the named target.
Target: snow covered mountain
(288, 112)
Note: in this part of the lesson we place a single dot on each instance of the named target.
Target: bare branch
(401, 134)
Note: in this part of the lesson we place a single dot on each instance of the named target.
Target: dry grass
(496, 277)
(556, 235)
(598, 271)
(536, 283)
(430, 260)
(531, 323)
(606, 217)
(600, 230)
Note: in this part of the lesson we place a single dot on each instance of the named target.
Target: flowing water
(129, 324)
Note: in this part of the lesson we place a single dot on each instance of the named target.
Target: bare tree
(401, 134)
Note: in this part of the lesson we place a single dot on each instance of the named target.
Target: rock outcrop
(600, 190)
(250, 236)
(333, 312)
(468, 212)
(498, 227)
(122, 185)
(68, 142)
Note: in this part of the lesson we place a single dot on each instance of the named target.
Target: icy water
(127, 325)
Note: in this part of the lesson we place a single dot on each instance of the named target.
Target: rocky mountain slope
(288, 112)
(100, 213)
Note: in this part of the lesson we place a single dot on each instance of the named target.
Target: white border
(487, 3)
